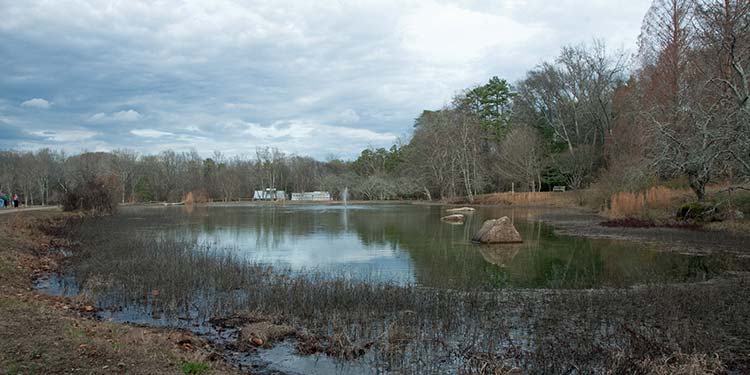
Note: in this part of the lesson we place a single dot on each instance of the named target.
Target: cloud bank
(328, 78)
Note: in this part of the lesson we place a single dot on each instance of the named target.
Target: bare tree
(124, 167)
(688, 112)
(520, 155)
(723, 33)
(572, 101)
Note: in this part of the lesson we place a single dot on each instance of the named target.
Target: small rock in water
(461, 209)
(454, 219)
(498, 231)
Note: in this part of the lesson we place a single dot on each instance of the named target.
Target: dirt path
(581, 223)
(27, 209)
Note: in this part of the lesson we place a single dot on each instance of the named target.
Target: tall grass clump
(657, 200)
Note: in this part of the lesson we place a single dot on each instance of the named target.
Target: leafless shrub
(94, 195)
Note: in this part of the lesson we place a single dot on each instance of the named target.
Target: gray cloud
(315, 79)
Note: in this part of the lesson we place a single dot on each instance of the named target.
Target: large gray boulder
(498, 231)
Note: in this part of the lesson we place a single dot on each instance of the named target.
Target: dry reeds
(638, 204)
(547, 198)
(192, 197)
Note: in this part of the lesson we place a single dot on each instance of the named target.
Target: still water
(407, 243)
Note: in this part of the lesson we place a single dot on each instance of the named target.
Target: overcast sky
(312, 78)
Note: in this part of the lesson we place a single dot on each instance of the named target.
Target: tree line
(679, 108)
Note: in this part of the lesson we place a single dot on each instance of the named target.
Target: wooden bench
(558, 189)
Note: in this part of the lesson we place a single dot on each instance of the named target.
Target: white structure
(269, 195)
(312, 196)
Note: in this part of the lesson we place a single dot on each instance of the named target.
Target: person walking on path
(15, 200)
(2, 201)
(6, 200)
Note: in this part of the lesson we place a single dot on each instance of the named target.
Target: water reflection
(409, 243)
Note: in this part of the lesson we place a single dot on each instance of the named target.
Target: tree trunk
(698, 184)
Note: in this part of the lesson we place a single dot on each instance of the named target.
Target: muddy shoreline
(578, 222)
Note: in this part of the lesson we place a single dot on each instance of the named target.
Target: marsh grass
(412, 329)
(559, 199)
(657, 201)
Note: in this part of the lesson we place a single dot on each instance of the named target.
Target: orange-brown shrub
(188, 198)
(192, 197)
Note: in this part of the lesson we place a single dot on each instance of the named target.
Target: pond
(406, 243)
(391, 275)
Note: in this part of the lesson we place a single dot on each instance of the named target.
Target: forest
(676, 110)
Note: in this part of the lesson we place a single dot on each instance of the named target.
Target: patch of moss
(194, 368)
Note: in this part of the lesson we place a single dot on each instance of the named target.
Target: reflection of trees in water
(441, 254)
(566, 261)
(264, 227)
(438, 251)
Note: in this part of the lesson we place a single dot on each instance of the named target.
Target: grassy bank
(42, 334)
(410, 329)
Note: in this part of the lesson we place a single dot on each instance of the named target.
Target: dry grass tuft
(683, 364)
